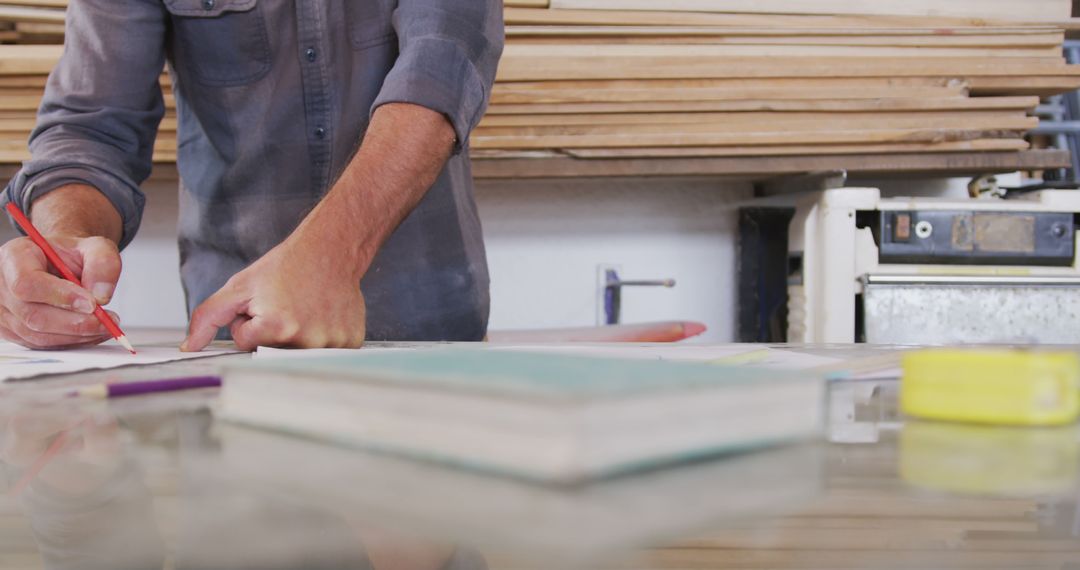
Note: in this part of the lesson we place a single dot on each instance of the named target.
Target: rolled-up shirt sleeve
(448, 54)
(102, 106)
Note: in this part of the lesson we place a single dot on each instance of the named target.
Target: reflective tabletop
(156, 482)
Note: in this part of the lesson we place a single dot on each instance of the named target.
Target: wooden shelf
(761, 168)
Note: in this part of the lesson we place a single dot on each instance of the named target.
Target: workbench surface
(158, 482)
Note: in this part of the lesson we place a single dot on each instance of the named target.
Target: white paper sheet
(18, 363)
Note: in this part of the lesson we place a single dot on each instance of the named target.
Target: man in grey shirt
(321, 144)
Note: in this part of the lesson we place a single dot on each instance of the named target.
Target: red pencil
(60, 266)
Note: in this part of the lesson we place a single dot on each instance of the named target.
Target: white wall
(149, 293)
(545, 240)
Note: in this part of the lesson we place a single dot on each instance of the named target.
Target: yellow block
(992, 386)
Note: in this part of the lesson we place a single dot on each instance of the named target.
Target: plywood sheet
(994, 9)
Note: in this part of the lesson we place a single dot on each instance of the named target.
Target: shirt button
(311, 54)
(208, 4)
(320, 132)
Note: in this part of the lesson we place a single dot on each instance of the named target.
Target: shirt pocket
(370, 22)
(220, 42)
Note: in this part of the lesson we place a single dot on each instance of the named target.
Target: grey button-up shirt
(273, 97)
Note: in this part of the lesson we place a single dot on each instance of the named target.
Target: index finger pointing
(216, 312)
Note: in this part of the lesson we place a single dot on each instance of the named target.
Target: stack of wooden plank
(606, 79)
(32, 21)
(606, 87)
(22, 81)
(1033, 10)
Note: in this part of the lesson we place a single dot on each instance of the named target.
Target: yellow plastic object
(990, 460)
(992, 386)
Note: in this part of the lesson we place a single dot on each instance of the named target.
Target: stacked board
(607, 79)
(988, 9)
(23, 73)
(32, 21)
(604, 87)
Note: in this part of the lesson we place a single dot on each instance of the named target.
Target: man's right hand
(41, 310)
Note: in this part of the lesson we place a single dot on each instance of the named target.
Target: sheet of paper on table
(18, 363)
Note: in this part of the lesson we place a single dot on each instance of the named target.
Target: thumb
(218, 311)
(100, 267)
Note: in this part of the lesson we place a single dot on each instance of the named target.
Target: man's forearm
(304, 291)
(403, 152)
(77, 210)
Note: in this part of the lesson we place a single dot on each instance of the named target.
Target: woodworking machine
(927, 271)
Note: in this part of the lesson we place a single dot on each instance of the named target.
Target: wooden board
(980, 37)
(10, 13)
(779, 83)
(958, 164)
(981, 145)
(758, 119)
(523, 16)
(15, 152)
(1049, 56)
(530, 63)
(999, 9)
(37, 81)
(807, 49)
(775, 105)
(505, 95)
(28, 59)
(31, 102)
(1023, 84)
(627, 138)
(764, 123)
(25, 123)
(38, 3)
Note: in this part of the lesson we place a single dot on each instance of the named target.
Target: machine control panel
(975, 237)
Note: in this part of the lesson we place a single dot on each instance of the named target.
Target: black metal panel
(763, 274)
(976, 237)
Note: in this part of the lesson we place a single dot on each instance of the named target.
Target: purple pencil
(124, 389)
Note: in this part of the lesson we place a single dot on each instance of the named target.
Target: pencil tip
(124, 343)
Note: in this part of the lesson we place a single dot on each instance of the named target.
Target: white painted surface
(149, 293)
(546, 238)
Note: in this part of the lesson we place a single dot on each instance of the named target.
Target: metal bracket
(613, 292)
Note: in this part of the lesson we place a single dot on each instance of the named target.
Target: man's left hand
(295, 296)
